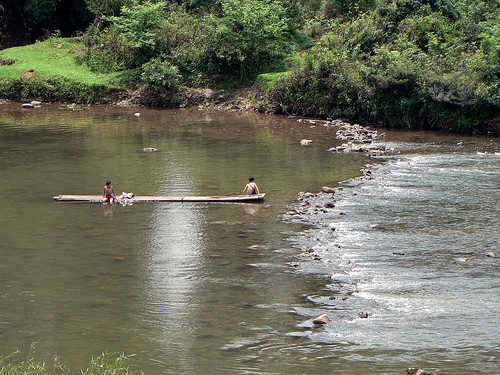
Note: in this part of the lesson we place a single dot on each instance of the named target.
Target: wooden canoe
(149, 198)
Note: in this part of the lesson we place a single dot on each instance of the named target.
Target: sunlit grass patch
(268, 81)
(53, 58)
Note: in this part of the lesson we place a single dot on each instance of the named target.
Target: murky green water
(197, 288)
(189, 288)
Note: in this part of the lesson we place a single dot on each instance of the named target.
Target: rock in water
(363, 314)
(322, 319)
(327, 189)
(416, 371)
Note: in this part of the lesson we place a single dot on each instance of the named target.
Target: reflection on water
(251, 209)
(175, 258)
(206, 288)
(109, 210)
(174, 283)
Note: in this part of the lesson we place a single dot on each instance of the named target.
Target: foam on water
(441, 211)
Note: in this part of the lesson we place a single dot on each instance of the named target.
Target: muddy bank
(246, 99)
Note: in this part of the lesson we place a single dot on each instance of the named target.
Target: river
(201, 288)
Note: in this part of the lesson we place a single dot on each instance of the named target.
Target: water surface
(201, 288)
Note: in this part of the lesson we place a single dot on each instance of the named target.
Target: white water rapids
(416, 243)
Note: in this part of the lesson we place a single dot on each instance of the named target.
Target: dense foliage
(411, 63)
(406, 62)
(237, 41)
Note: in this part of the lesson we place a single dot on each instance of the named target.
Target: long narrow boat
(149, 198)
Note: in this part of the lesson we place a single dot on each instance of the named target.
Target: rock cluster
(359, 139)
(320, 246)
(356, 132)
(371, 149)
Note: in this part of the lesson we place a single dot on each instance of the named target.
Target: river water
(201, 288)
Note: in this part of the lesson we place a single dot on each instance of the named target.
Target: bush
(161, 76)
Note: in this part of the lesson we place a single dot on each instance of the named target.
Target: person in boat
(108, 195)
(251, 187)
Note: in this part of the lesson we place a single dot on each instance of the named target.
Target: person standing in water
(251, 187)
(108, 195)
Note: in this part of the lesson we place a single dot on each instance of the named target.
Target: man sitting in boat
(251, 187)
(108, 195)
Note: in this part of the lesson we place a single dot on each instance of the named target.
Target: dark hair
(108, 183)
(251, 179)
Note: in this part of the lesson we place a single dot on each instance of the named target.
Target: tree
(249, 37)
(101, 9)
(24, 21)
(140, 23)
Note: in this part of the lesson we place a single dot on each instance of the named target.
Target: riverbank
(62, 70)
(243, 99)
(54, 71)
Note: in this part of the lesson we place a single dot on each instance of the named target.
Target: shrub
(160, 75)
(248, 39)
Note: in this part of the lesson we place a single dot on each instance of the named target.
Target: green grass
(104, 364)
(53, 58)
(267, 81)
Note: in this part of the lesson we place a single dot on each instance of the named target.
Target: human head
(108, 183)
(251, 179)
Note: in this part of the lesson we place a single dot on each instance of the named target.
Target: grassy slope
(50, 59)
